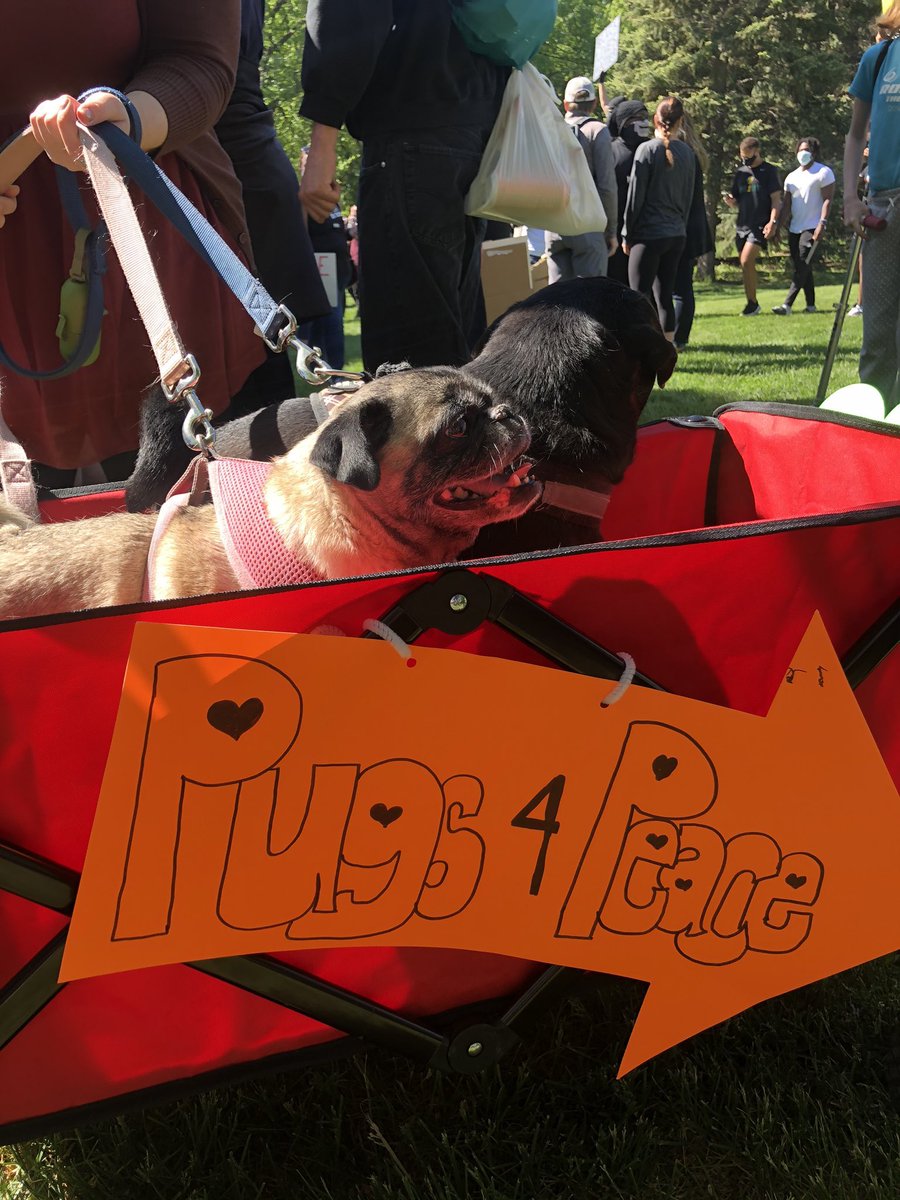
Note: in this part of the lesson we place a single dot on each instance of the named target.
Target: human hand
(771, 231)
(729, 199)
(854, 211)
(612, 244)
(319, 190)
(53, 124)
(626, 249)
(8, 202)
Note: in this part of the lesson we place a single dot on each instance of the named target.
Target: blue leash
(275, 323)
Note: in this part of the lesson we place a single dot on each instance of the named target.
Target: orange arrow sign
(271, 792)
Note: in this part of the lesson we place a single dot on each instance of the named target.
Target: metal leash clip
(314, 369)
(197, 430)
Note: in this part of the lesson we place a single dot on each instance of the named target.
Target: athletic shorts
(755, 237)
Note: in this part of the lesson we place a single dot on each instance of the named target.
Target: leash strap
(131, 248)
(16, 480)
(275, 322)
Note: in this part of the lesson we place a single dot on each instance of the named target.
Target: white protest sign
(327, 264)
(606, 48)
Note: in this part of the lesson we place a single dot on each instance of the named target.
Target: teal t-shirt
(884, 136)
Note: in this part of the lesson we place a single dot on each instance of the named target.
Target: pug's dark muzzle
(494, 480)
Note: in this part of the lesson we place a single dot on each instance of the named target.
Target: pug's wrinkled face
(432, 445)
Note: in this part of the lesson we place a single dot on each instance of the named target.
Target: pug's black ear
(346, 445)
(652, 349)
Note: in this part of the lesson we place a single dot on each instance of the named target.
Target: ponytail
(668, 113)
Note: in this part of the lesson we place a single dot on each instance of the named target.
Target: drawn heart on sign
(663, 766)
(795, 881)
(657, 840)
(234, 719)
(385, 816)
(684, 885)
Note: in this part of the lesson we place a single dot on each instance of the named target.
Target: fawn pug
(405, 473)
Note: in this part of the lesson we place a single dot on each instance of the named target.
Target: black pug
(578, 360)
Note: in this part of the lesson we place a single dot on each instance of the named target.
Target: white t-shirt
(805, 188)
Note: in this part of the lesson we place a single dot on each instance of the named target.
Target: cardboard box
(505, 274)
(540, 274)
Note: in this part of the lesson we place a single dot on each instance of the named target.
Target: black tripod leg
(837, 327)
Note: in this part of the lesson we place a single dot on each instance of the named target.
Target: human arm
(784, 215)
(827, 197)
(602, 93)
(637, 194)
(603, 169)
(343, 41)
(772, 228)
(180, 89)
(854, 208)
(319, 189)
(731, 198)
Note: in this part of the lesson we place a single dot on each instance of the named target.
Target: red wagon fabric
(725, 537)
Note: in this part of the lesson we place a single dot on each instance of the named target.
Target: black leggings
(651, 270)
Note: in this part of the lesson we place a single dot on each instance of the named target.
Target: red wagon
(725, 537)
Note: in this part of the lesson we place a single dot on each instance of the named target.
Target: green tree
(778, 69)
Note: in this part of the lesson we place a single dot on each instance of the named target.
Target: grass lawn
(798, 1099)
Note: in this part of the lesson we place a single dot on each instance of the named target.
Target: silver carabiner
(314, 369)
(197, 431)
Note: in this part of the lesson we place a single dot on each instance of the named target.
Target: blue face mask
(804, 158)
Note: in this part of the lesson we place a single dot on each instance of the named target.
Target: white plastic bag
(533, 170)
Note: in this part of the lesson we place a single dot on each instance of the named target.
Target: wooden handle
(19, 154)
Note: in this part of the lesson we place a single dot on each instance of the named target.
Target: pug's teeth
(446, 494)
(461, 493)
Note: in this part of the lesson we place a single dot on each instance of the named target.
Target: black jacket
(385, 66)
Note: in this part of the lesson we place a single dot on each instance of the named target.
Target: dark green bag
(508, 32)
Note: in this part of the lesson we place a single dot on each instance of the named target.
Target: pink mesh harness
(256, 552)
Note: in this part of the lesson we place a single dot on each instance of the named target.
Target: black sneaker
(751, 309)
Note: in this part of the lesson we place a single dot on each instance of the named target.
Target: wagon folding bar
(455, 602)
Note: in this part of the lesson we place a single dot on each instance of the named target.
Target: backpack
(583, 140)
(508, 32)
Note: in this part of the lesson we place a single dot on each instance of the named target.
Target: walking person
(698, 241)
(876, 106)
(587, 254)
(808, 193)
(629, 125)
(657, 208)
(756, 194)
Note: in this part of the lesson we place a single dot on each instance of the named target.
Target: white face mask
(804, 158)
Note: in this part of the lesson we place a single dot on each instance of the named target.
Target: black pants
(802, 280)
(651, 270)
(419, 254)
(683, 296)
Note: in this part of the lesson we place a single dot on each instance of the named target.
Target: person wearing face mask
(756, 194)
(629, 125)
(808, 193)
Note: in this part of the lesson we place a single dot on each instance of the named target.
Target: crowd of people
(404, 82)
